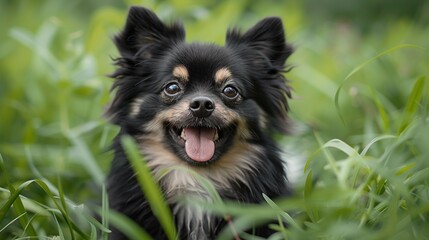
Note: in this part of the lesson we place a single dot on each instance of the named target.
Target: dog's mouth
(201, 144)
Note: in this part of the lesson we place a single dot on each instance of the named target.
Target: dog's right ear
(144, 36)
(144, 31)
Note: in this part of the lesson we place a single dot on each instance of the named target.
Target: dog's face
(201, 102)
(198, 103)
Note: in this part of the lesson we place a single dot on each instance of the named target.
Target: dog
(212, 109)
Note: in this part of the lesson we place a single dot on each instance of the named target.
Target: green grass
(360, 110)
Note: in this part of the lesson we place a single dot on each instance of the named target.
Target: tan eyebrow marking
(181, 72)
(222, 75)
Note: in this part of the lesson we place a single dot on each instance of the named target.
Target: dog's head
(198, 102)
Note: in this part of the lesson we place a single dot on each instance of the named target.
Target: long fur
(246, 161)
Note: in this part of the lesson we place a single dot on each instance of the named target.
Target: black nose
(201, 107)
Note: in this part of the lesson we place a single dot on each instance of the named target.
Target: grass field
(359, 151)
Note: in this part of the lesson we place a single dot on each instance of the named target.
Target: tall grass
(360, 109)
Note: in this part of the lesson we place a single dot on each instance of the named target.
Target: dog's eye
(172, 89)
(230, 92)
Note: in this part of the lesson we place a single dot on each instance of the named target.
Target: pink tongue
(199, 144)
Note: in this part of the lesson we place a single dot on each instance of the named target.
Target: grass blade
(342, 146)
(379, 138)
(15, 199)
(383, 114)
(104, 212)
(93, 235)
(412, 104)
(362, 65)
(63, 203)
(308, 189)
(127, 226)
(13, 220)
(18, 205)
(331, 160)
(86, 157)
(60, 231)
(285, 215)
(149, 187)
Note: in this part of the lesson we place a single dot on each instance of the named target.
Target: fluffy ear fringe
(265, 50)
(144, 37)
(267, 37)
(142, 29)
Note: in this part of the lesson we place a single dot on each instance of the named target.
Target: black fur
(150, 50)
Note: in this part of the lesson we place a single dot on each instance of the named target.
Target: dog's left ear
(267, 37)
(264, 49)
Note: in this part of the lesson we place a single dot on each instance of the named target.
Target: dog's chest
(193, 223)
(181, 190)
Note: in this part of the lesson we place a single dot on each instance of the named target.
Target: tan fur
(194, 220)
(222, 75)
(177, 180)
(181, 72)
(222, 172)
(178, 177)
(135, 106)
(263, 121)
(174, 113)
(232, 163)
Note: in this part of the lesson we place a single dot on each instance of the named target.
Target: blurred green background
(55, 55)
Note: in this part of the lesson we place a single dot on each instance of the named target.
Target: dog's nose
(201, 107)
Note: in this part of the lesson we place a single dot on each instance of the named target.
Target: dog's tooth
(183, 135)
(216, 136)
